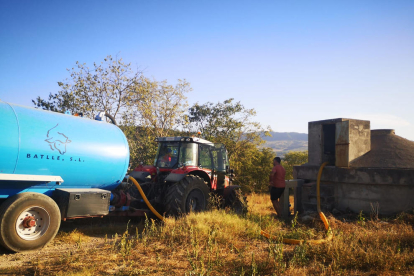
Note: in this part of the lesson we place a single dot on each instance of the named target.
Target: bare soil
(97, 231)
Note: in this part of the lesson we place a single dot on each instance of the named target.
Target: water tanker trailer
(54, 166)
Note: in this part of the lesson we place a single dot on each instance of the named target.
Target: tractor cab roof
(184, 139)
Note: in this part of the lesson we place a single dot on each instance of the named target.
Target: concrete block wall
(352, 139)
(355, 189)
(359, 139)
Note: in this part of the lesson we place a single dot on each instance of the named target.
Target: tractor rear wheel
(190, 194)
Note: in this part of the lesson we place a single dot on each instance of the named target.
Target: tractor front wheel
(190, 194)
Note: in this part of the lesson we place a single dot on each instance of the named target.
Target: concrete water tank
(369, 170)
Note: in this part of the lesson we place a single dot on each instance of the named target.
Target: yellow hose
(145, 198)
(321, 215)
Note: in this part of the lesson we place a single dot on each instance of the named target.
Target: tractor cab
(179, 156)
(185, 171)
(174, 152)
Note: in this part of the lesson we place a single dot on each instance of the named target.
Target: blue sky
(292, 61)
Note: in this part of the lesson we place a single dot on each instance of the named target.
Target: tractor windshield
(174, 154)
(167, 155)
(188, 154)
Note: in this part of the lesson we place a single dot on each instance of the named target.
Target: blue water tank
(85, 153)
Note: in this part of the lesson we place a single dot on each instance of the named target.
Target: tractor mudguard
(228, 190)
(175, 177)
(140, 176)
(235, 199)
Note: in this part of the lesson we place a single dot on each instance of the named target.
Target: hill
(283, 142)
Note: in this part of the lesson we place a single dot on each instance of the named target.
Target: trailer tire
(18, 232)
(190, 194)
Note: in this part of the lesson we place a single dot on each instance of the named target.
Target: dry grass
(74, 236)
(221, 243)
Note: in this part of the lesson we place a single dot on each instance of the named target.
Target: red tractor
(185, 172)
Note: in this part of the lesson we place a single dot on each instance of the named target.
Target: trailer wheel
(190, 194)
(237, 202)
(28, 221)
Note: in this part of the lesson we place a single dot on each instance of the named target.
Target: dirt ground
(93, 231)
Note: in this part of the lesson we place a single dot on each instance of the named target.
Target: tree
(293, 158)
(162, 105)
(111, 86)
(143, 108)
(230, 123)
(253, 167)
(156, 114)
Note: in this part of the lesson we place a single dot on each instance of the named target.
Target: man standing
(277, 184)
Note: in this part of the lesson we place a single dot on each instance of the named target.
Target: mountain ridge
(284, 142)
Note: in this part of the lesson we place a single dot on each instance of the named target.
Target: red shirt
(278, 176)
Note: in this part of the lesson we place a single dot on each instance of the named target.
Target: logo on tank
(57, 140)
